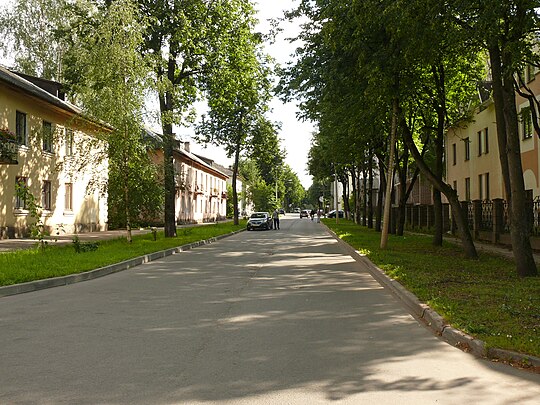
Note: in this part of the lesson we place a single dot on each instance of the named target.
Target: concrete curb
(104, 271)
(436, 322)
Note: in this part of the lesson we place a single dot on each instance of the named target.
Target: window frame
(466, 141)
(20, 203)
(69, 137)
(526, 123)
(68, 197)
(47, 136)
(46, 195)
(22, 139)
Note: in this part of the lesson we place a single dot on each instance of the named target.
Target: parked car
(259, 220)
(297, 211)
(304, 213)
(332, 214)
(282, 211)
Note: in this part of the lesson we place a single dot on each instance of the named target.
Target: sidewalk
(487, 247)
(7, 245)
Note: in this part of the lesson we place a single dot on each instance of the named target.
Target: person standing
(275, 217)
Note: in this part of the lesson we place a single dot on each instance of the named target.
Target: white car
(259, 220)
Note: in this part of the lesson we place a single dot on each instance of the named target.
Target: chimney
(186, 146)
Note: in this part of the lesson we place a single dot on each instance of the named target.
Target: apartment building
(201, 189)
(472, 153)
(54, 152)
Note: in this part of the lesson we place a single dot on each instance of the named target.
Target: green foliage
(484, 297)
(82, 247)
(29, 36)
(23, 265)
(109, 76)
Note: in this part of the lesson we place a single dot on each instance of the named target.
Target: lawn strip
(484, 298)
(54, 261)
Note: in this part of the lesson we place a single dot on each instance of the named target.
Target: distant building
(51, 145)
(201, 191)
(473, 166)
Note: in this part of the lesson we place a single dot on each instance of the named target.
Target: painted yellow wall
(89, 207)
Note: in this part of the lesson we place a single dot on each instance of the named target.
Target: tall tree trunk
(380, 195)
(168, 168)
(457, 212)
(166, 108)
(389, 183)
(370, 189)
(438, 170)
(505, 102)
(235, 176)
(354, 191)
(365, 194)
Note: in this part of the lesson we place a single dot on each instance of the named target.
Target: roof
(210, 164)
(20, 83)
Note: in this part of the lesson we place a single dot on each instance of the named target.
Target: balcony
(8, 147)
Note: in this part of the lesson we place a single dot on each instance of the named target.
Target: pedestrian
(312, 214)
(318, 216)
(275, 217)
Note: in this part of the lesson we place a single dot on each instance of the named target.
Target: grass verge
(484, 298)
(33, 264)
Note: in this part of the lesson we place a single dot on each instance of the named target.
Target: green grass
(484, 298)
(53, 261)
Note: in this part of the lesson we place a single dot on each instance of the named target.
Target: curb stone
(106, 270)
(436, 322)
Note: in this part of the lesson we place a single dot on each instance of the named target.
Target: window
(20, 128)
(467, 148)
(468, 189)
(46, 195)
(68, 199)
(69, 142)
(483, 186)
(486, 179)
(526, 123)
(454, 154)
(20, 201)
(47, 136)
(483, 142)
(480, 186)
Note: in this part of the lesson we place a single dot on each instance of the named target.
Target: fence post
(465, 211)
(477, 217)
(446, 224)
(393, 220)
(497, 217)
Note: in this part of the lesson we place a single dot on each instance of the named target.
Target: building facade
(201, 189)
(56, 158)
(473, 166)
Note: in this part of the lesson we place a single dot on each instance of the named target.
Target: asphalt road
(265, 317)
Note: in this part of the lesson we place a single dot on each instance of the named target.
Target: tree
(187, 41)
(508, 31)
(238, 94)
(29, 35)
(109, 77)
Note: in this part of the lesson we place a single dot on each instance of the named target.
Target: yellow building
(473, 167)
(58, 159)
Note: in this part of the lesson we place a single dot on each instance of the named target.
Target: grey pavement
(269, 317)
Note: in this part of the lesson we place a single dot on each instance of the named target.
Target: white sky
(295, 135)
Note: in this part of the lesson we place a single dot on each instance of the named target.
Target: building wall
(88, 209)
(479, 165)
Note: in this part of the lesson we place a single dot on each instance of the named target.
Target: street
(262, 317)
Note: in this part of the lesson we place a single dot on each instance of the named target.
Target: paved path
(270, 317)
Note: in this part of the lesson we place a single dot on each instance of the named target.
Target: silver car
(259, 220)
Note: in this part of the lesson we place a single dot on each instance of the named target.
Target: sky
(295, 135)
